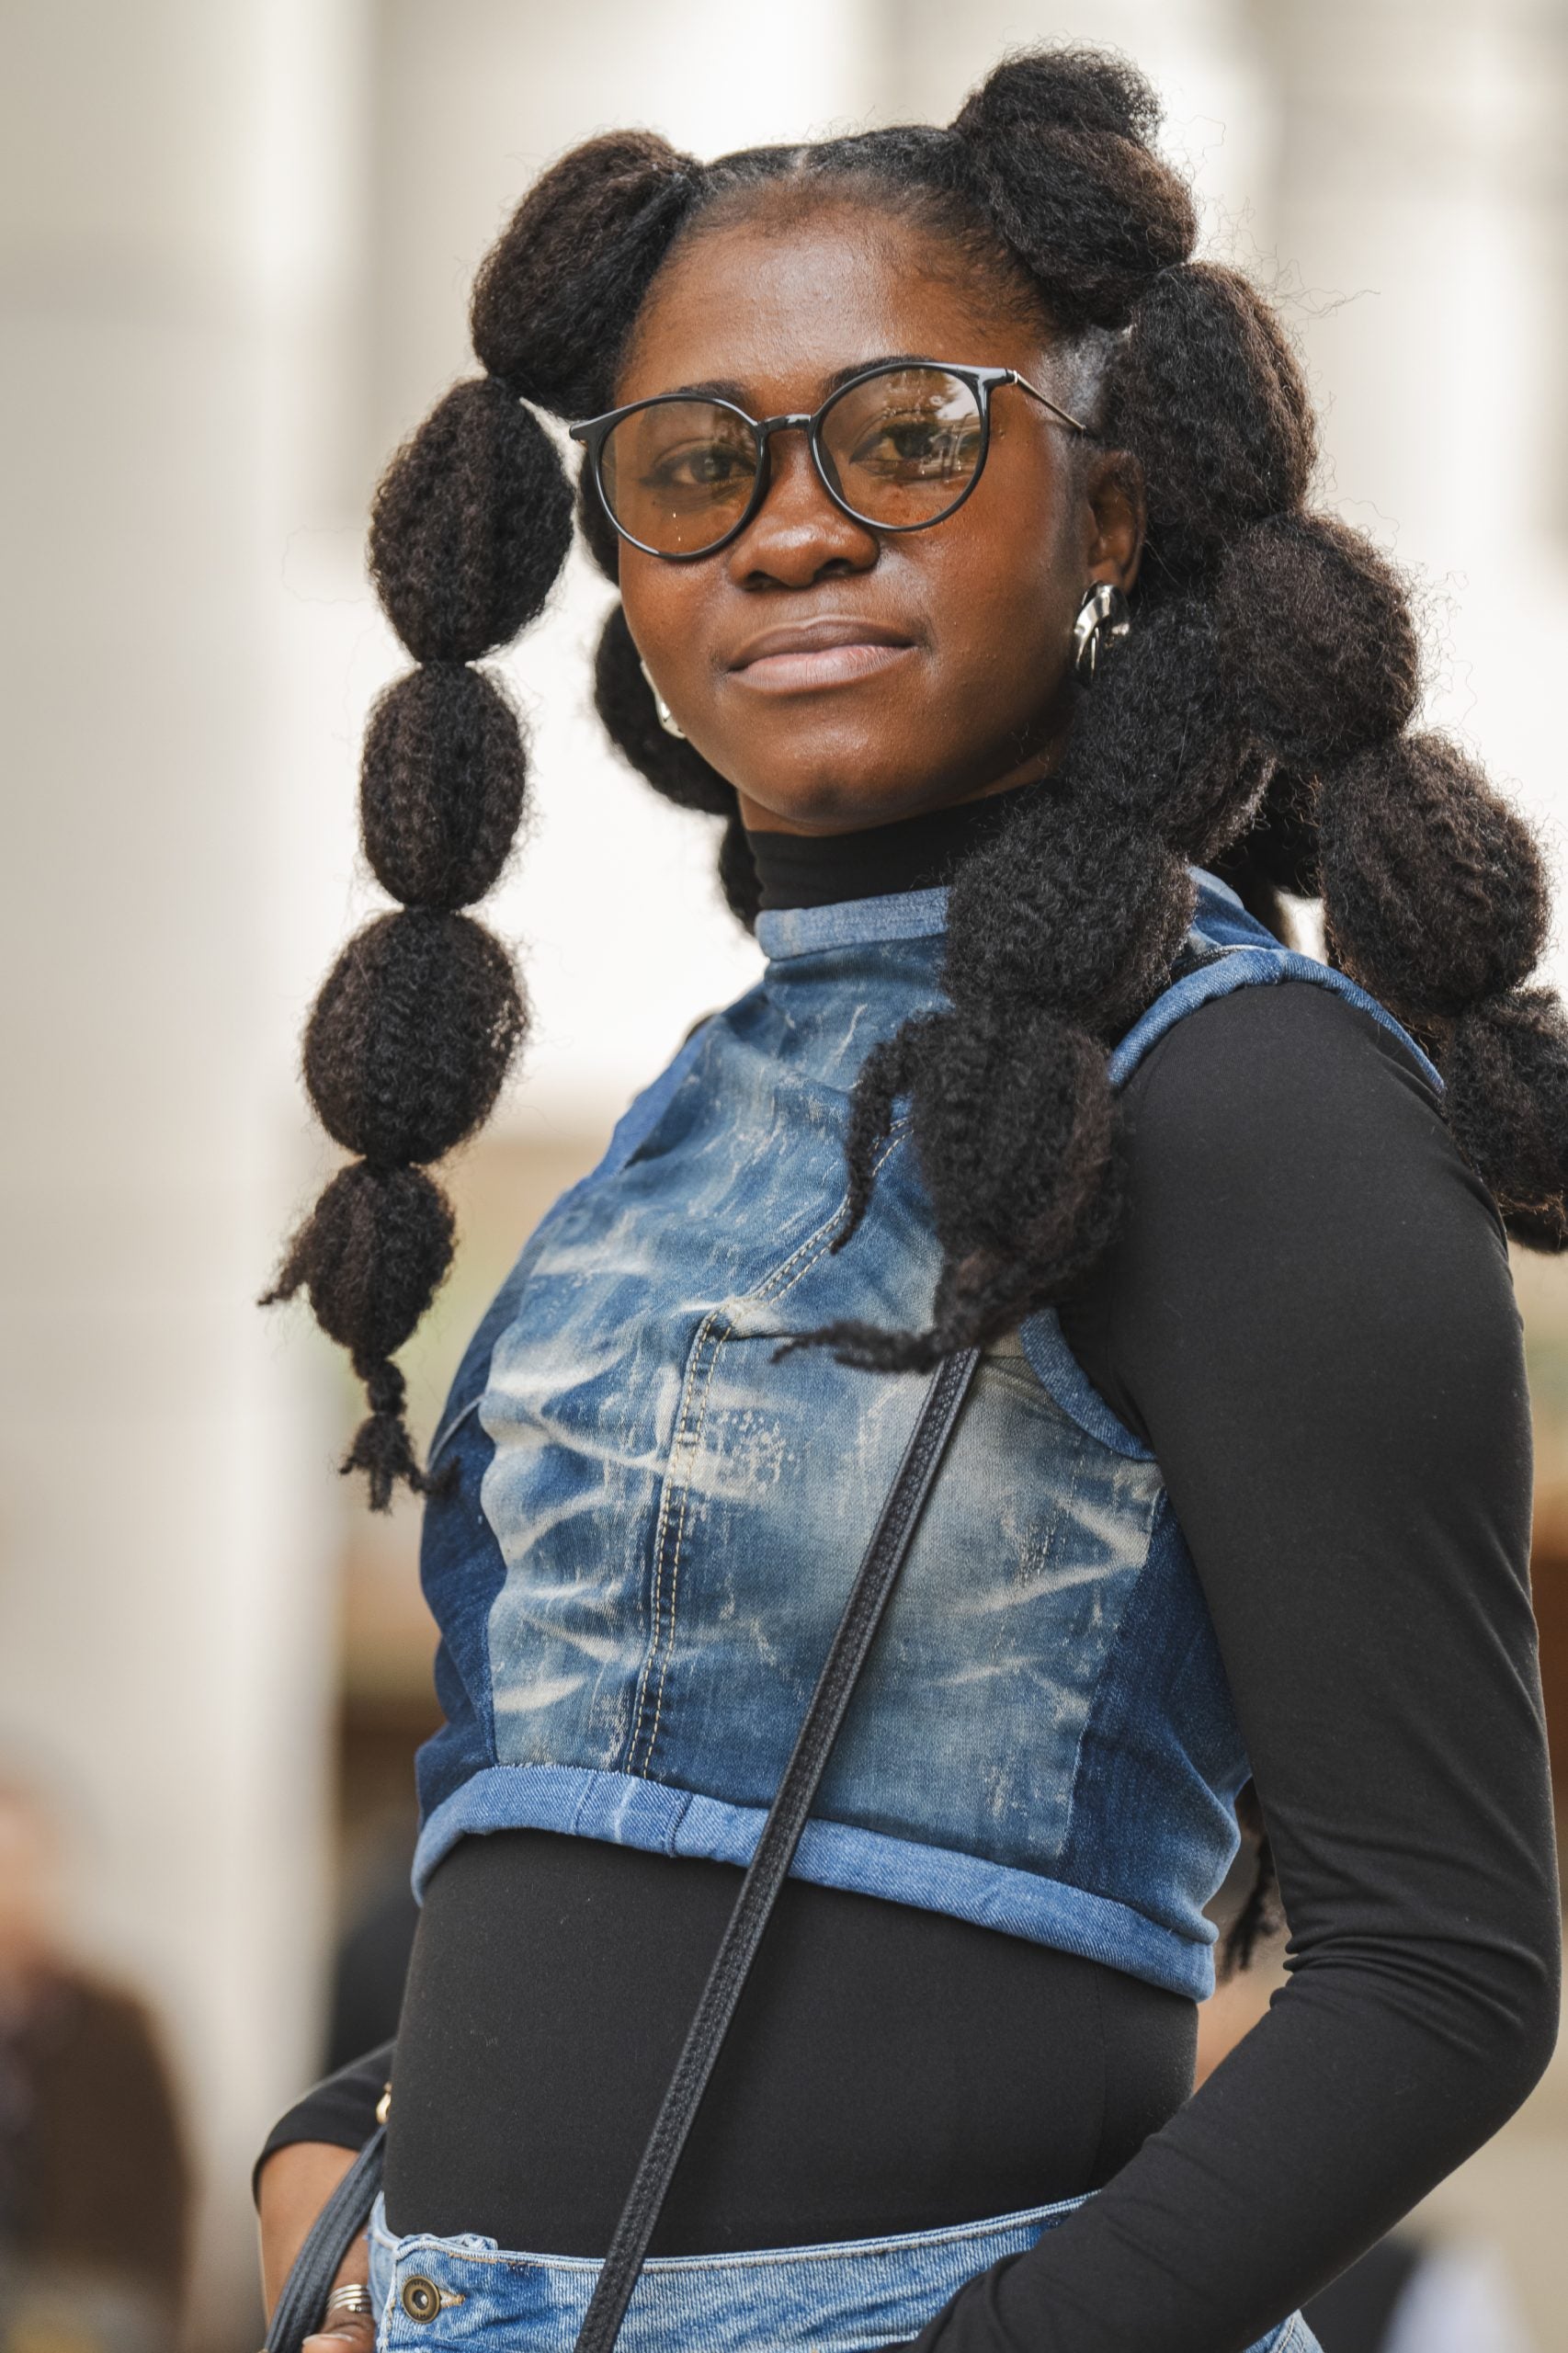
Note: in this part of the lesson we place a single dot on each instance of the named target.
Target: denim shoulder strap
(1227, 950)
(1231, 951)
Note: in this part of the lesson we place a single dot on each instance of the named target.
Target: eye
(677, 457)
(700, 465)
(917, 446)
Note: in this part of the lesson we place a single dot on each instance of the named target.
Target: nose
(798, 535)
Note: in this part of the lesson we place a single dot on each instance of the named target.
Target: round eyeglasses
(898, 446)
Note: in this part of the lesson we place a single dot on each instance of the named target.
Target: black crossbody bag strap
(766, 1874)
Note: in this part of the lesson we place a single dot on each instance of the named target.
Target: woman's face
(961, 682)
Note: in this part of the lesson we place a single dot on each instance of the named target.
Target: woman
(959, 522)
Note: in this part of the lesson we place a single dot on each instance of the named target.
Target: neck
(913, 854)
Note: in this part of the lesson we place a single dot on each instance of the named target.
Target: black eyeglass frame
(594, 431)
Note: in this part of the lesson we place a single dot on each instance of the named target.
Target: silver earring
(1104, 613)
(666, 717)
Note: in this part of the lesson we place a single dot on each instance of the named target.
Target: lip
(830, 652)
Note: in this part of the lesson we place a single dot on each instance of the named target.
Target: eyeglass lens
(901, 449)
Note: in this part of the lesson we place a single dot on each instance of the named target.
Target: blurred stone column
(176, 218)
(1204, 57)
(1422, 205)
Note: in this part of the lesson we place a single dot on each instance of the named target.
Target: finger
(350, 2333)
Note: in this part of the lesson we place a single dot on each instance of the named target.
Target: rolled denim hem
(627, 1809)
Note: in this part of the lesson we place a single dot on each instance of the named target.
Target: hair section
(416, 1025)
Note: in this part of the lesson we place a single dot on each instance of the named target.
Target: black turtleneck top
(817, 871)
(1308, 1315)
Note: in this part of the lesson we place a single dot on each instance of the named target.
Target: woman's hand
(296, 2183)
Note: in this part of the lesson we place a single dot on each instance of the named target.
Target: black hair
(418, 1020)
(1256, 718)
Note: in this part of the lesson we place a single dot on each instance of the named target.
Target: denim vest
(655, 1519)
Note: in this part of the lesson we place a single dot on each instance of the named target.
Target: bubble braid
(1256, 720)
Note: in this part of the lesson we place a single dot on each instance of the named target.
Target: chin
(819, 780)
(843, 800)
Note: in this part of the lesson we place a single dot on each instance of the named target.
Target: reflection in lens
(902, 447)
(678, 473)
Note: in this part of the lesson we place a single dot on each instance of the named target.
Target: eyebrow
(724, 388)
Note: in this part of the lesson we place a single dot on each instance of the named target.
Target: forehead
(776, 307)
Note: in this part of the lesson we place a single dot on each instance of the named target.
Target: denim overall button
(420, 2298)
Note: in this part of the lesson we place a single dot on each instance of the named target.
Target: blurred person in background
(960, 522)
(94, 2183)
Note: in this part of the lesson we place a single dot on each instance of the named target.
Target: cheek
(661, 601)
(1004, 609)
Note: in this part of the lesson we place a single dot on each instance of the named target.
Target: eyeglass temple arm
(1045, 401)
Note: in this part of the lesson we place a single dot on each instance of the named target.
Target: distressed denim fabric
(852, 2297)
(655, 1519)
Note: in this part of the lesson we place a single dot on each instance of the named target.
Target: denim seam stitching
(1099, 1684)
(767, 1287)
(656, 1597)
(656, 1603)
(674, 1563)
(1118, 1641)
(769, 1283)
(1074, 1477)
(773, 1285)
(824, 1234)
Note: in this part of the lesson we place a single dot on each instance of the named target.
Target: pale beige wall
(172, 209)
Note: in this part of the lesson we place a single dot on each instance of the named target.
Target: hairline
(815, 180)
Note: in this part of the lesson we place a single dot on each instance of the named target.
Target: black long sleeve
(1310, 1320)
(341, 2110)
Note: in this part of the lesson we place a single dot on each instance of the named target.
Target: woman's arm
(306, 2154)
(1310, 1316)
(293, 2185)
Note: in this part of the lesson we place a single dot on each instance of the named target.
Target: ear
(1116, 517)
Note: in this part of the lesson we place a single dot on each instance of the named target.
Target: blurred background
(236, 238)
